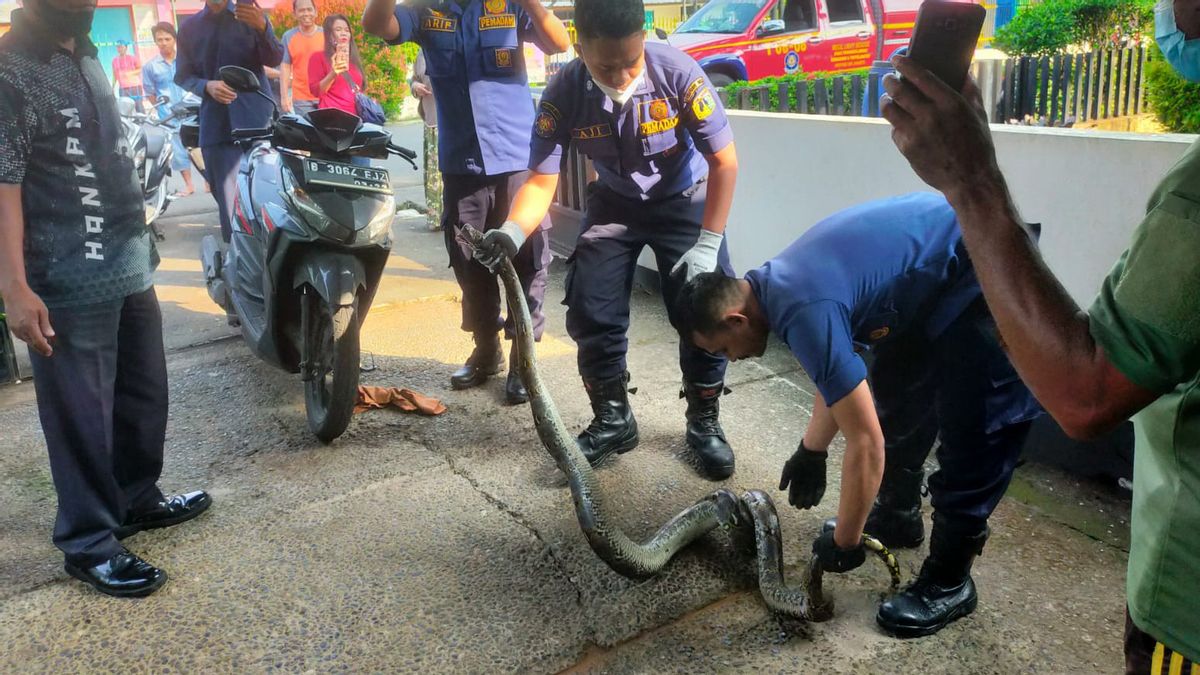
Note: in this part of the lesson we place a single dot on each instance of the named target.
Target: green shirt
(1147, 319)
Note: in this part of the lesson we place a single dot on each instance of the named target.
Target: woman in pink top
(328, 72)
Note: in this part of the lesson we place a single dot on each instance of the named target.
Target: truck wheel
(720, 80)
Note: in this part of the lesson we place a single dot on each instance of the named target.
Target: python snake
(753, 513)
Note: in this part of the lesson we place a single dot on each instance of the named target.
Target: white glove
(700, 258)
(500, 244)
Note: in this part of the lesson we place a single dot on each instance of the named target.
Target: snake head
(729, 509)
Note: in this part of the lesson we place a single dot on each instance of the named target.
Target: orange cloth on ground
(375, 398)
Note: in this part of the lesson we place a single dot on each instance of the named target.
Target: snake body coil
(754, 512)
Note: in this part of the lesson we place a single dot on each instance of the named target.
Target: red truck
(752, 39)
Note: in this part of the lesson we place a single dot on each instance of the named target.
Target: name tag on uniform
(495, 22)
(589, 133)
(658, 117)
(440, 24)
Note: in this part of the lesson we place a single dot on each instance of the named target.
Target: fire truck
(751, 39)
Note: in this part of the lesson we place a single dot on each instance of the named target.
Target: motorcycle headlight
(311, 211)
(380, 226)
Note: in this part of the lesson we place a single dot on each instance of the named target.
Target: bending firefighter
(892, 278)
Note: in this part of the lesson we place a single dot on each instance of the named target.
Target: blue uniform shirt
(158, 79)
(210, 40)
(476, 63)
(652, 148)
(864, 277)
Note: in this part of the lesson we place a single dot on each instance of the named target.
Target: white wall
(1088, 189)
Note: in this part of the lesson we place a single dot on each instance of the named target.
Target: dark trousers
(600, 278)
(1145, 655)
(102, 399)
(962, 389)
(483, 203)
(221, 164)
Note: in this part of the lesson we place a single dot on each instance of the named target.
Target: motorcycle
(311, 237)
(150, 143)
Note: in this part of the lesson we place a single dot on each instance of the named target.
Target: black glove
(805, 472)
(834, 559)
(500, 244)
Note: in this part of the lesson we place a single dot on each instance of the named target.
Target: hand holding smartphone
(944, 39)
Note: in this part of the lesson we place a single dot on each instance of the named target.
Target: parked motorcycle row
(311, 239)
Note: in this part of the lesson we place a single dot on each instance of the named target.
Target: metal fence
(1053, 90)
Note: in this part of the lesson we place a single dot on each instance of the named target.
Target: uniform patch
(545, 125)
(704, 105)
(439, 24)
(594, 131)
(496, 22)
(691, 90)
(504, 58)
(659, 126)
(495, 6)
(659, 110)
(880, 333)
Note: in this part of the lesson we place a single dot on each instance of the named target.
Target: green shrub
(1051, 26)
(734, 90)
(1173, 100)
(383, 65)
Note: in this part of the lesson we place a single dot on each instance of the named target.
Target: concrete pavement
(450, 544)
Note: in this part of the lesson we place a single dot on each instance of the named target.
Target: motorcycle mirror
(660, 33)
(239, 79)
(126, 107)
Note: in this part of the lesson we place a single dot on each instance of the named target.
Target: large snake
(753, 513)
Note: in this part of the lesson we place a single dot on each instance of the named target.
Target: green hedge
(1173, 100)
(1051, 26)
(734, 90)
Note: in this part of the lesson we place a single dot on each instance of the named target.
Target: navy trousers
(221, 164)
(102, 400)
(962, 389)
(483, 203)
(600, 277)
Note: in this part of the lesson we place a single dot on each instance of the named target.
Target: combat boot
(944, 590)
(485, 361)
(613, 428)
(895, 518)
(705, 436)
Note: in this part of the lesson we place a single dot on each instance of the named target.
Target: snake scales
(753, 513)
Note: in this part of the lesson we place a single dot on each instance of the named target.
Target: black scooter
(150, 142)
(311, 237)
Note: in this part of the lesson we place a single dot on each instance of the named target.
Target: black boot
(944, 591)
(514, 389)
(705, 436)
(895, 518)
(484, 362)
(613, 429)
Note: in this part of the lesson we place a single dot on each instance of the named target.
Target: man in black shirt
(75, 275)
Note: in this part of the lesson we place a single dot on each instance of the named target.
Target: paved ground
(450, 544)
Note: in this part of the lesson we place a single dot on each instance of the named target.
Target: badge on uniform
(546, 123)
(880, 333)
(496, 15)
(704, 105)
(439, 22)
(504, 58)
(658, 116)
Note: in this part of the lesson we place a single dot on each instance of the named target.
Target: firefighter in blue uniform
(648, 117)
(892, 278)
(475, 61)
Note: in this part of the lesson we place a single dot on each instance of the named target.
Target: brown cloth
(376, 398)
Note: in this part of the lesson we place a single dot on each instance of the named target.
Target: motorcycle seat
(156, 138)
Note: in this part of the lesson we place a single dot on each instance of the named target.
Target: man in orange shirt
(299, 44)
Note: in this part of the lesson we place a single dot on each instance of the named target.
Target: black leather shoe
(705, 436)
(514, 389)
(944, 590)
(124, 576)
(613, 429)
(485, 361)
(170, 511)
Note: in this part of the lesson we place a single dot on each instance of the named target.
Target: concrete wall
(1088, 189)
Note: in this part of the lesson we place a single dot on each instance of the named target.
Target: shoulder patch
(546, 123)
(692, 89)
(704, 104)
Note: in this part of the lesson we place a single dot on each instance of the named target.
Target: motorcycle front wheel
(332, 349)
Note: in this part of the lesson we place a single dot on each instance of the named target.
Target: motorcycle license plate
(336, 174)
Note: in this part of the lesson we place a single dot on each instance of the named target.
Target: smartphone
(944, 39)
